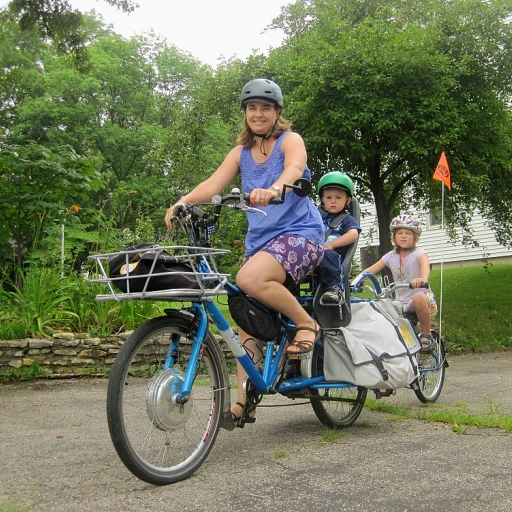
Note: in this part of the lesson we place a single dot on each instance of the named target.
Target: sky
(207, 29)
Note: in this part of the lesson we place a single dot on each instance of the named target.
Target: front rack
(204, 272)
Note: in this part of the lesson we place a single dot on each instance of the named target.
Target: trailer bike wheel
(158, 439)
(432, 367)
(336, 408)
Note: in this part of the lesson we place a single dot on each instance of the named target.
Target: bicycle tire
(336, 408)
(432, 367)
(159, 441)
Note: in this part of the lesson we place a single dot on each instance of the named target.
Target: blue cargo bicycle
(169, 389)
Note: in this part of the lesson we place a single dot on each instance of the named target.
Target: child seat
(330, 317)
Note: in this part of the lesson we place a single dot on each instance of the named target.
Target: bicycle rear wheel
(336, 408)
(159, 440)
(432, 368)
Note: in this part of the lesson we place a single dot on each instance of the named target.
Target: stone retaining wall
(68, 353)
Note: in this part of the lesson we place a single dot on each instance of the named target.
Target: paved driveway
(56, 455)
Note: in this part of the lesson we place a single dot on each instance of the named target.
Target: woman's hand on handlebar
(170, 215)
(262, 196)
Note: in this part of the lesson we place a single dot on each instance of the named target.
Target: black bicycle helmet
(262, 90)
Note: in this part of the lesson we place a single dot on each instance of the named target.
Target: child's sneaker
(333, 296)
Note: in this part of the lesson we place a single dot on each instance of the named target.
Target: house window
(433, 220)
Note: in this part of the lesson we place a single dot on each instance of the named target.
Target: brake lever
(246, 208)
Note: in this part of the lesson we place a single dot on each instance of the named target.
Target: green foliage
(34, 371)
(379, 89)
(36, 184)
(460, 421)
(12, 330)
(41, 303)
(59, 21)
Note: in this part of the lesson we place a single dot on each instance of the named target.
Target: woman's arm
(215, 184)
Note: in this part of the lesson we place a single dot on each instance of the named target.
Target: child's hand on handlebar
(418, 283)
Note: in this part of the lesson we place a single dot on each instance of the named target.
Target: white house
(436, 242)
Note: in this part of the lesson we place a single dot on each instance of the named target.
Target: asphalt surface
(56, 455)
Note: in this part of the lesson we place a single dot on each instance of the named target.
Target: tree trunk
(384, 219)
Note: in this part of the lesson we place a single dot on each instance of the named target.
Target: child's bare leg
(421, 307)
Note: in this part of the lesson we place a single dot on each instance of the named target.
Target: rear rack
(204, 272)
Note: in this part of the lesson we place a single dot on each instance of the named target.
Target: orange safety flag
(442, 172)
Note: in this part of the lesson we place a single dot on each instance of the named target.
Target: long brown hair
(246, 137)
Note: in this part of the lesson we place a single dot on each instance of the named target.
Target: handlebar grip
(179, 209)
(274, 200)
(425, 284)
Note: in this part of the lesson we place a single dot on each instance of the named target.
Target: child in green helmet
(335, 190)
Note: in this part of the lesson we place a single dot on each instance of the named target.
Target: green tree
(380, 89)
(118, 107)
(36, 186)
(59, 22)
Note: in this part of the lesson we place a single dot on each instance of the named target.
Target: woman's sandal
(304, 346)
(426, 343)
(250, 414)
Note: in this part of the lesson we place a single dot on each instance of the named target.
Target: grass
(460, 421)
(332, 436)
(10, 506)
(34, 371)
(280, 453)
(476, 307)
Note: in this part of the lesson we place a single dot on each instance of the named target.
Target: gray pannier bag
(369, 352)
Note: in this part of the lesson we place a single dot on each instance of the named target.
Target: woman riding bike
(287, 242)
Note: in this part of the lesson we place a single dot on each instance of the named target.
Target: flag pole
(442, 261)
(442, 173)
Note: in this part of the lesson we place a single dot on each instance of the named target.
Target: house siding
(437, 243)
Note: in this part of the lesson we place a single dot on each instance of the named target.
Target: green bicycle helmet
(336, 179)
(262, 90)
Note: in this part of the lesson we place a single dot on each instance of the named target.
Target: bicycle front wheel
(158, 439)
(432, 368)
(336, 408)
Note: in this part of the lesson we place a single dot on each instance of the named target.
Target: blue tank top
(297, 215)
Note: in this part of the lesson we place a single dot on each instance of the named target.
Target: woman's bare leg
(254, 349)
(262, 277)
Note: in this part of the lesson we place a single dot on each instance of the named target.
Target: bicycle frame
(264, 381)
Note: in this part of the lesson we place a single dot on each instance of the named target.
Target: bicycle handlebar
(201, 224)
(357, 285)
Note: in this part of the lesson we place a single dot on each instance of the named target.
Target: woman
(288, 241)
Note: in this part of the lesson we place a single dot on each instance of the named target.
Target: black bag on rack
(167, 271)
(253, 317)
